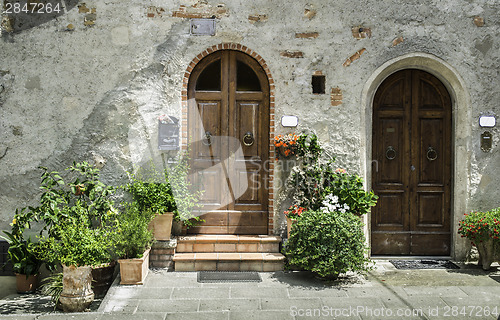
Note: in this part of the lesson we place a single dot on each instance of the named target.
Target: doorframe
(184, 103)
(461, 133)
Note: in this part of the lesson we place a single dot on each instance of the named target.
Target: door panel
(237, 117)
(412, 165)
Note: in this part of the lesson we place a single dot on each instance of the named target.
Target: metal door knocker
(431, 154)
(207, 140)
(248, 139)
(390, 153)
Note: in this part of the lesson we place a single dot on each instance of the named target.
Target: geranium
(294, 212)
(287, 144)
(481, 226)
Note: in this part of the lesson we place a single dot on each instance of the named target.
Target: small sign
(202, 27)
(487, 121)
(486, 141)
(168, 133)
(289, 121)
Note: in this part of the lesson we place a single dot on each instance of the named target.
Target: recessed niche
(318, 84)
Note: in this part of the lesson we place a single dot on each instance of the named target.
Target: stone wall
(90, 83)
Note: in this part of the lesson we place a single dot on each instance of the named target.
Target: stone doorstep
(226, 239)
(222, 261)
(228, 243)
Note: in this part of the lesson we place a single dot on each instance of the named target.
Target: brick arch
(262, 63)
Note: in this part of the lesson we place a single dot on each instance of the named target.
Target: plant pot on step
(161, 225)
(77, 294)
(134, 271)
(489, 252)
(102, 277)
(289, 223)
(26, 284)
(178, 228)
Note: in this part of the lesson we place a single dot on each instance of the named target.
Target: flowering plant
(331, 203)
(481, 226)
(294, 212)
(287, 144)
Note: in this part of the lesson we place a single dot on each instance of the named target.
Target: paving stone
(316, 292)
(435, 291)
(254, 292)
(260, 315)
(200, 293)
(288, 304)
(229, 304)
(70, 316)
(198, 315)
(136, 316)
(156, 305)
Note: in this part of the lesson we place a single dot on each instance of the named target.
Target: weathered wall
(90, 84)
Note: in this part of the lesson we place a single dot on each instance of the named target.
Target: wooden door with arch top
(228, 128)
(411, 170)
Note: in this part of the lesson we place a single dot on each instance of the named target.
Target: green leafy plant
(21, 254)
(73, 242)
(53, 286)
(480, 226)
(133, 236)
(327, 243)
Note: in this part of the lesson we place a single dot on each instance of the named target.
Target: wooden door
(228, 120)
(411, 166)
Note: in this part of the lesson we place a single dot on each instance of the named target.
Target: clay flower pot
(102, 278)
(162, 226)
(134, 271)
(289, 223)
(26, 284)
(489, 252)
(77, 294)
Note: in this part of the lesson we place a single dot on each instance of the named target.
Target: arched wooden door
(228, 128)
(412, 166)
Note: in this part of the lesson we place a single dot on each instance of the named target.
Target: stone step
(228, 243)
(229, 261)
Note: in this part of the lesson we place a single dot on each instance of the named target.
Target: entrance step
(228, 253)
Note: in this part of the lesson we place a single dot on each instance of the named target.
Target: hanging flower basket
(286, 145)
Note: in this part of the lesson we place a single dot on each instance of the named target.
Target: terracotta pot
(178, 228)
(77, 294)
(489, 252)
(134, 271)
(289, 223)
(26, 284)
(102, 278)
(162, 226)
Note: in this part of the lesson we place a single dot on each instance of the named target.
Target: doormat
(223, 276)
(424, 264)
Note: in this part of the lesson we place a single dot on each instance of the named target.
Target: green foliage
(327, 243)
(21, 254)
(73, 242)
(166, 191)
(53, 286)
(133, 236)
(481, 226)
(313, 179)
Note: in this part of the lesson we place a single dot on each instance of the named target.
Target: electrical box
(202, 27)
(168, 133)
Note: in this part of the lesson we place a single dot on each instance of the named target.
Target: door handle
(431, 154)
(207, 138)
(248, 139)
(390, 153)
(412, 168)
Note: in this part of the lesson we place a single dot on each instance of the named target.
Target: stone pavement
(385, 293)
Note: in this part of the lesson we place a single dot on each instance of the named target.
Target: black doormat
(424, 264)
(223, 276)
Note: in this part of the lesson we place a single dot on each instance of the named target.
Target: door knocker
(248, 139)
(431, 154)
(207, 139)
(390, 153)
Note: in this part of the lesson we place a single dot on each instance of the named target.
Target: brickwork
(292, 54)
(354, 57)
(307, 35)
(336, 97)
(263, 64)
(162, 253)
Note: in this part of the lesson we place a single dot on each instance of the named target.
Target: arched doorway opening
(412, 165)
(228, 129)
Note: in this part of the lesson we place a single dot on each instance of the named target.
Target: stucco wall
(77, 91)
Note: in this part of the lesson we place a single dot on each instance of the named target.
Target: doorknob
(412, 168)
(207, 138)
(248, 139)
(390, 153)
(431, 154)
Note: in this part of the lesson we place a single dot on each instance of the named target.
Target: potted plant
(133, 243)
(483, 230)
(286, 144)
(292, 214)
(327, 243)
(78, 247)
(25, 264)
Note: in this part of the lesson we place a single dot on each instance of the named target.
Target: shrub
(481, 226)
(327, 243)
(133, 236)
